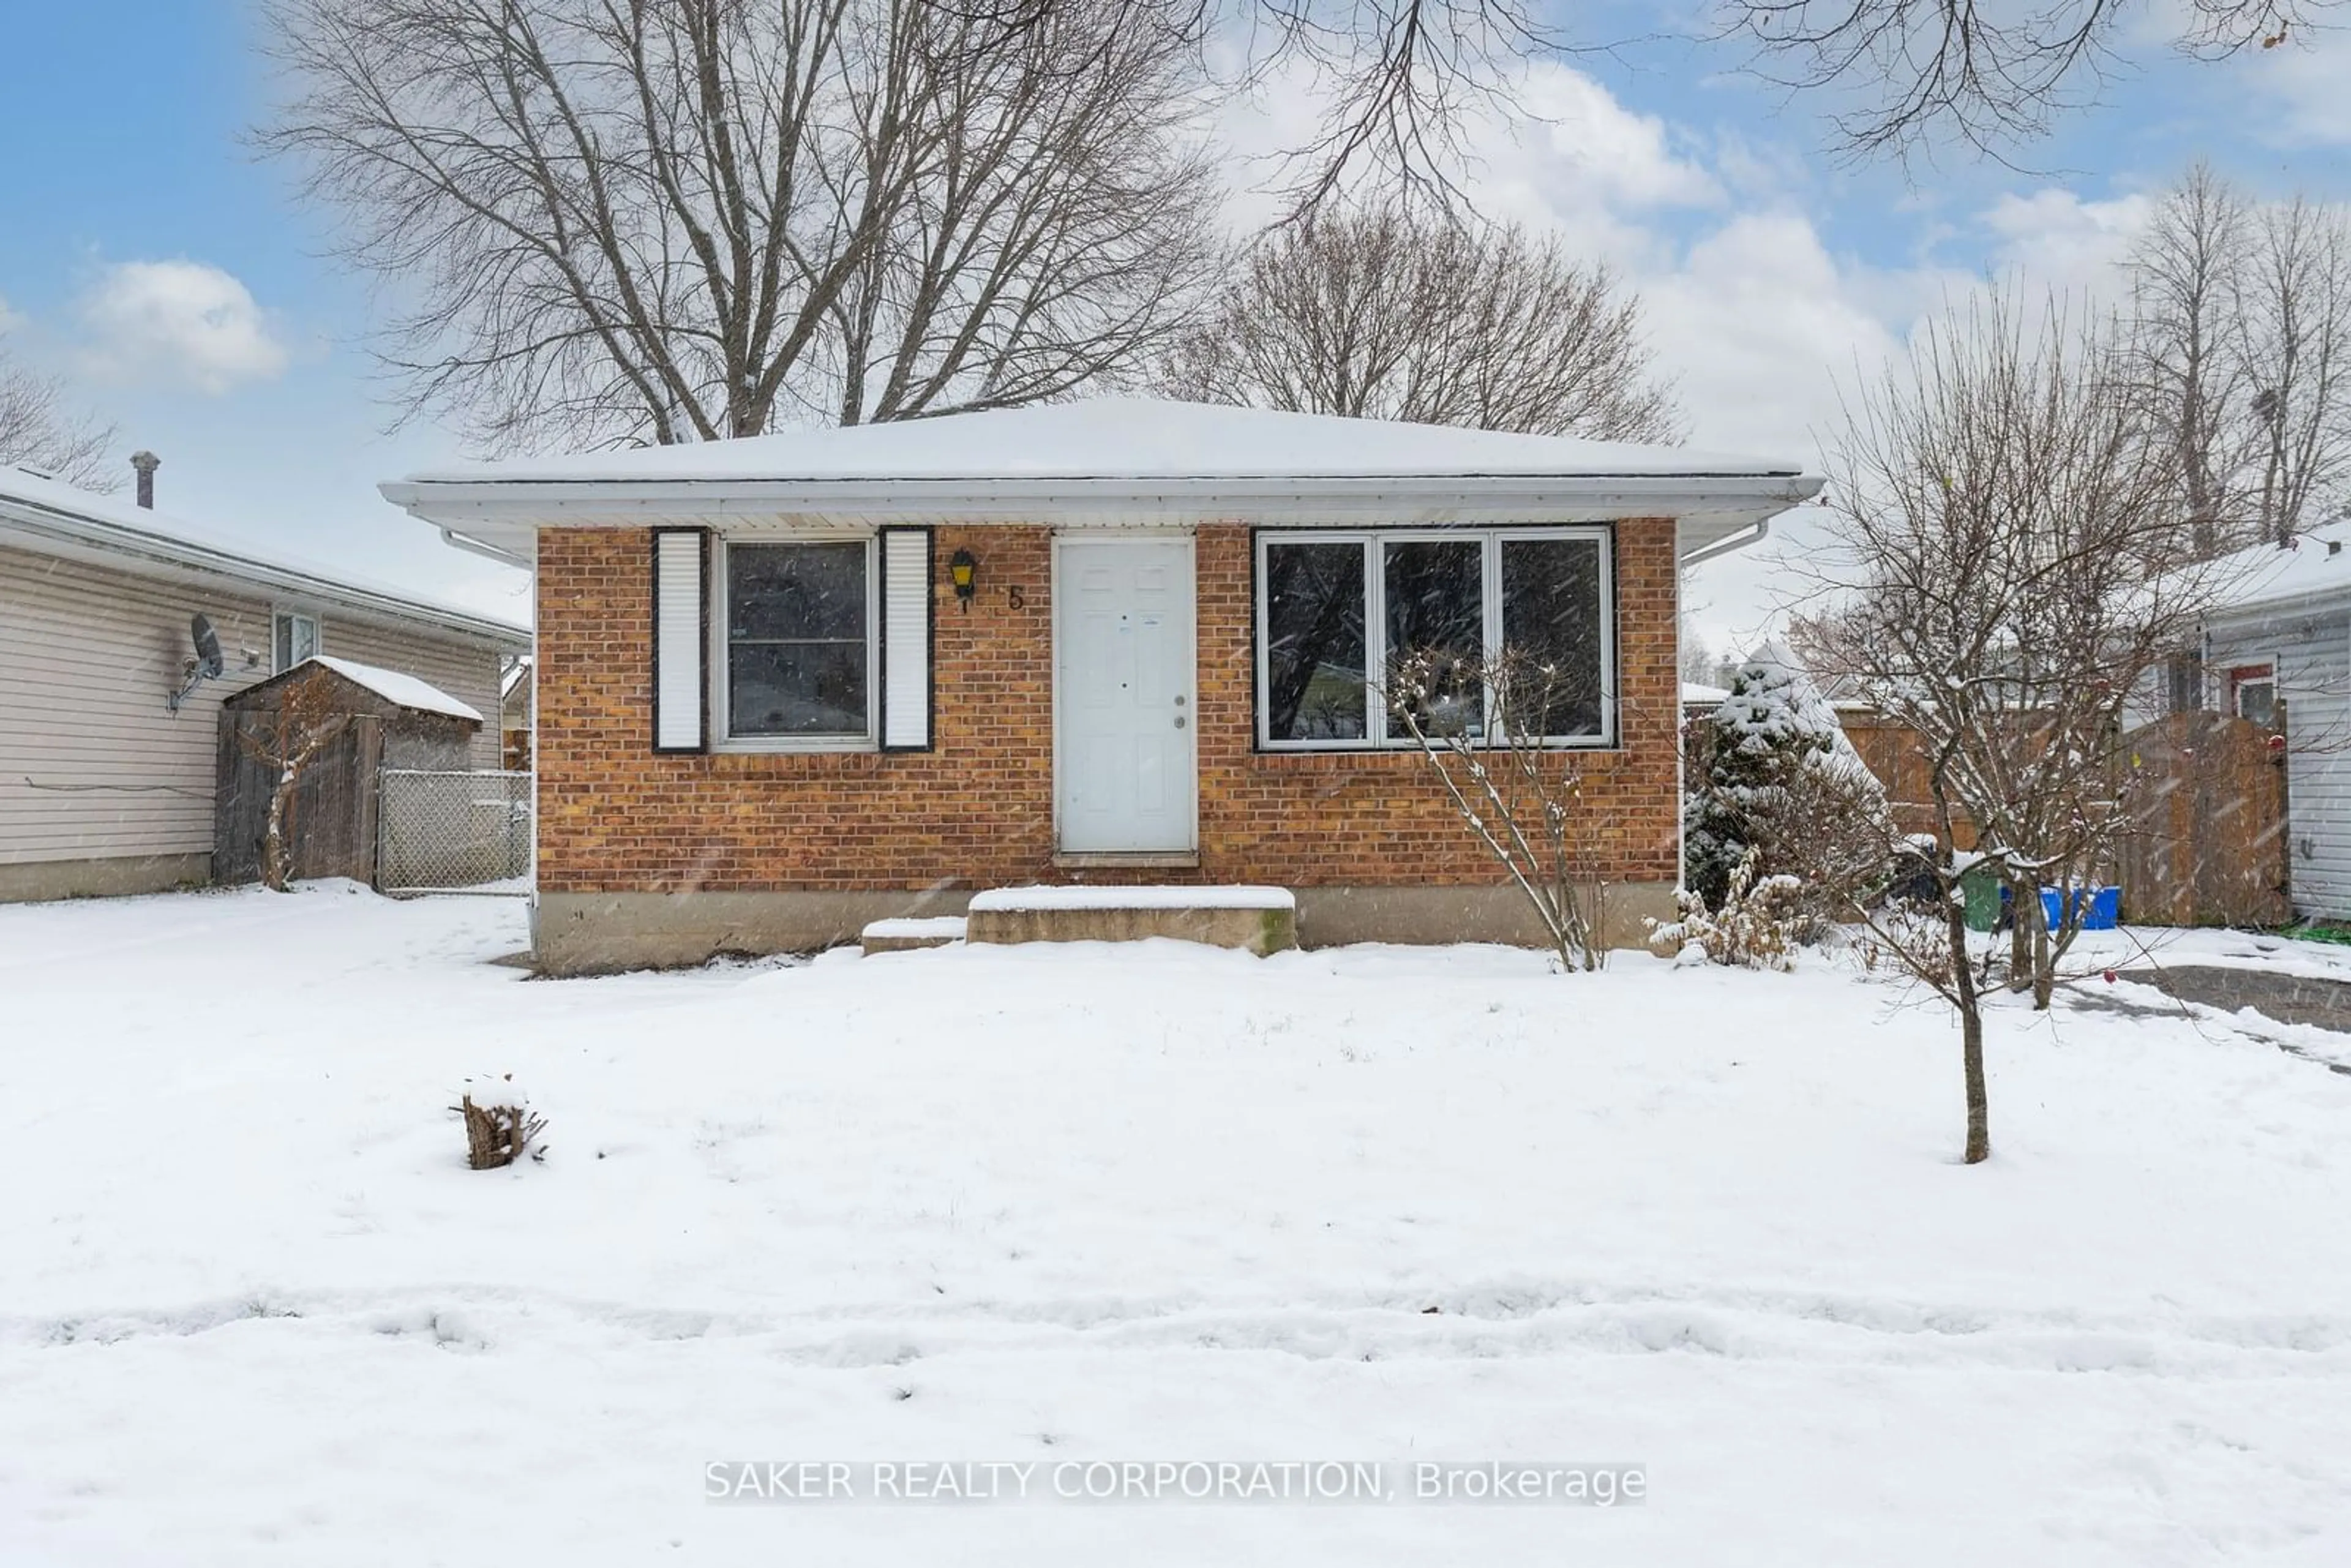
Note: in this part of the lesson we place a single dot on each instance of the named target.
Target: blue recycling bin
(2101, 907)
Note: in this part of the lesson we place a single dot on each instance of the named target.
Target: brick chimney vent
(146, 462)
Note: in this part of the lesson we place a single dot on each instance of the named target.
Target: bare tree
(38, 431)
(1380, 314)
(2186, 356)
(2240, 347)
(296, 735)
(621, 221)
(2295, 314)
(1990, 76)
(2004, 569)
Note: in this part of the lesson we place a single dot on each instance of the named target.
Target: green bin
(1979, 888)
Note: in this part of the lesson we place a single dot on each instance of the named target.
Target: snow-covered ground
(1045, 1205)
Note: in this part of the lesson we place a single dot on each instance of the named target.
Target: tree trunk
(2044, 964)
(276, 867)
(2019, 933)
(1979, 1102)
(1963, 992)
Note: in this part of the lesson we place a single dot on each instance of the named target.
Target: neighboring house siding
(978, 809)
(2313, 655)
(92, 764)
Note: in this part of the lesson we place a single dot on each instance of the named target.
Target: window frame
(722, 709)
(2254, 672)
(1491, 539)
(279, 613)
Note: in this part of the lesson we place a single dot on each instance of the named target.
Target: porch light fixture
(963, 569)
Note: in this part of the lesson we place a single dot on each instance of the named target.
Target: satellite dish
(208, 653)
(205, 666)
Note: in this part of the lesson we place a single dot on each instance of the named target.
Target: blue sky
(147, 256)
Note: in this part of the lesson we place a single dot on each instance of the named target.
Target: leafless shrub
(1481, 724)
(1758, 924)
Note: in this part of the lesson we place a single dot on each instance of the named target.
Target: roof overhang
(54, 532)
(507, 515)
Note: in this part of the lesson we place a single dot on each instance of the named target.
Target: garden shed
(362, 720)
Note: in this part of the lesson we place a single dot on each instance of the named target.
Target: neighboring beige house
(104, 786)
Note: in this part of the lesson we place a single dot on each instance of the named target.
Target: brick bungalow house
(791, 683)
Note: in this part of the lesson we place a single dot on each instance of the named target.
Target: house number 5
(1014, 597)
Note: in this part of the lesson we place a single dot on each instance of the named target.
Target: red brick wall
(978, 811)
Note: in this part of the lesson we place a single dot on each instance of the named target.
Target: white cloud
(9, 319)
(1762, 326)
(177, 322)
(1575, 158)
(2058, 241)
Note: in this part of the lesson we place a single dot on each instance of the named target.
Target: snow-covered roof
(1695, 692)
(1126, 438)
(394, 686)
(55, 517)
(2268, 575)
(1118, 462)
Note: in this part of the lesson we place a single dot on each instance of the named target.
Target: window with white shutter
(680, 624)
(905, 639)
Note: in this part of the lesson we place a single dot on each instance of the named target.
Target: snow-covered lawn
(1158, 1202)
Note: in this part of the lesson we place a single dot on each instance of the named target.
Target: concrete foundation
(31, 882)
(1334, 916)
(597, 932)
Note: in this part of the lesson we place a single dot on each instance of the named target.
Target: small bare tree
(38, 431)
(1379, 315)
(1482, 722)
(613, 221)
(2004, 572)
(288, 741)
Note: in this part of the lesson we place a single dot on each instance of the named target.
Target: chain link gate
(448, 831)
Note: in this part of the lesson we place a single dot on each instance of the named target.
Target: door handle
(1179, 721)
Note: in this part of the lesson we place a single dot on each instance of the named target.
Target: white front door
(1123, 719)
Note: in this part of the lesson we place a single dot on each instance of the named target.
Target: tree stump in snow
(501, 1127)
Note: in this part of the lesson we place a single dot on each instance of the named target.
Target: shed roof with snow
(388, 688)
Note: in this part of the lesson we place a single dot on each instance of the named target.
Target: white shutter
(678, 640)
(905, 639)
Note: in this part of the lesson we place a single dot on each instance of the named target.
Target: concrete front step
(1259, 920)
(906, 933)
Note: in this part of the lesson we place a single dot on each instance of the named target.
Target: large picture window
(1337, 614)
(797, 659)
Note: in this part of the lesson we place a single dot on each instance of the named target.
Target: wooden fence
(333, 825)
(2207, 794)
(1892, 752)
(2208, 844)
